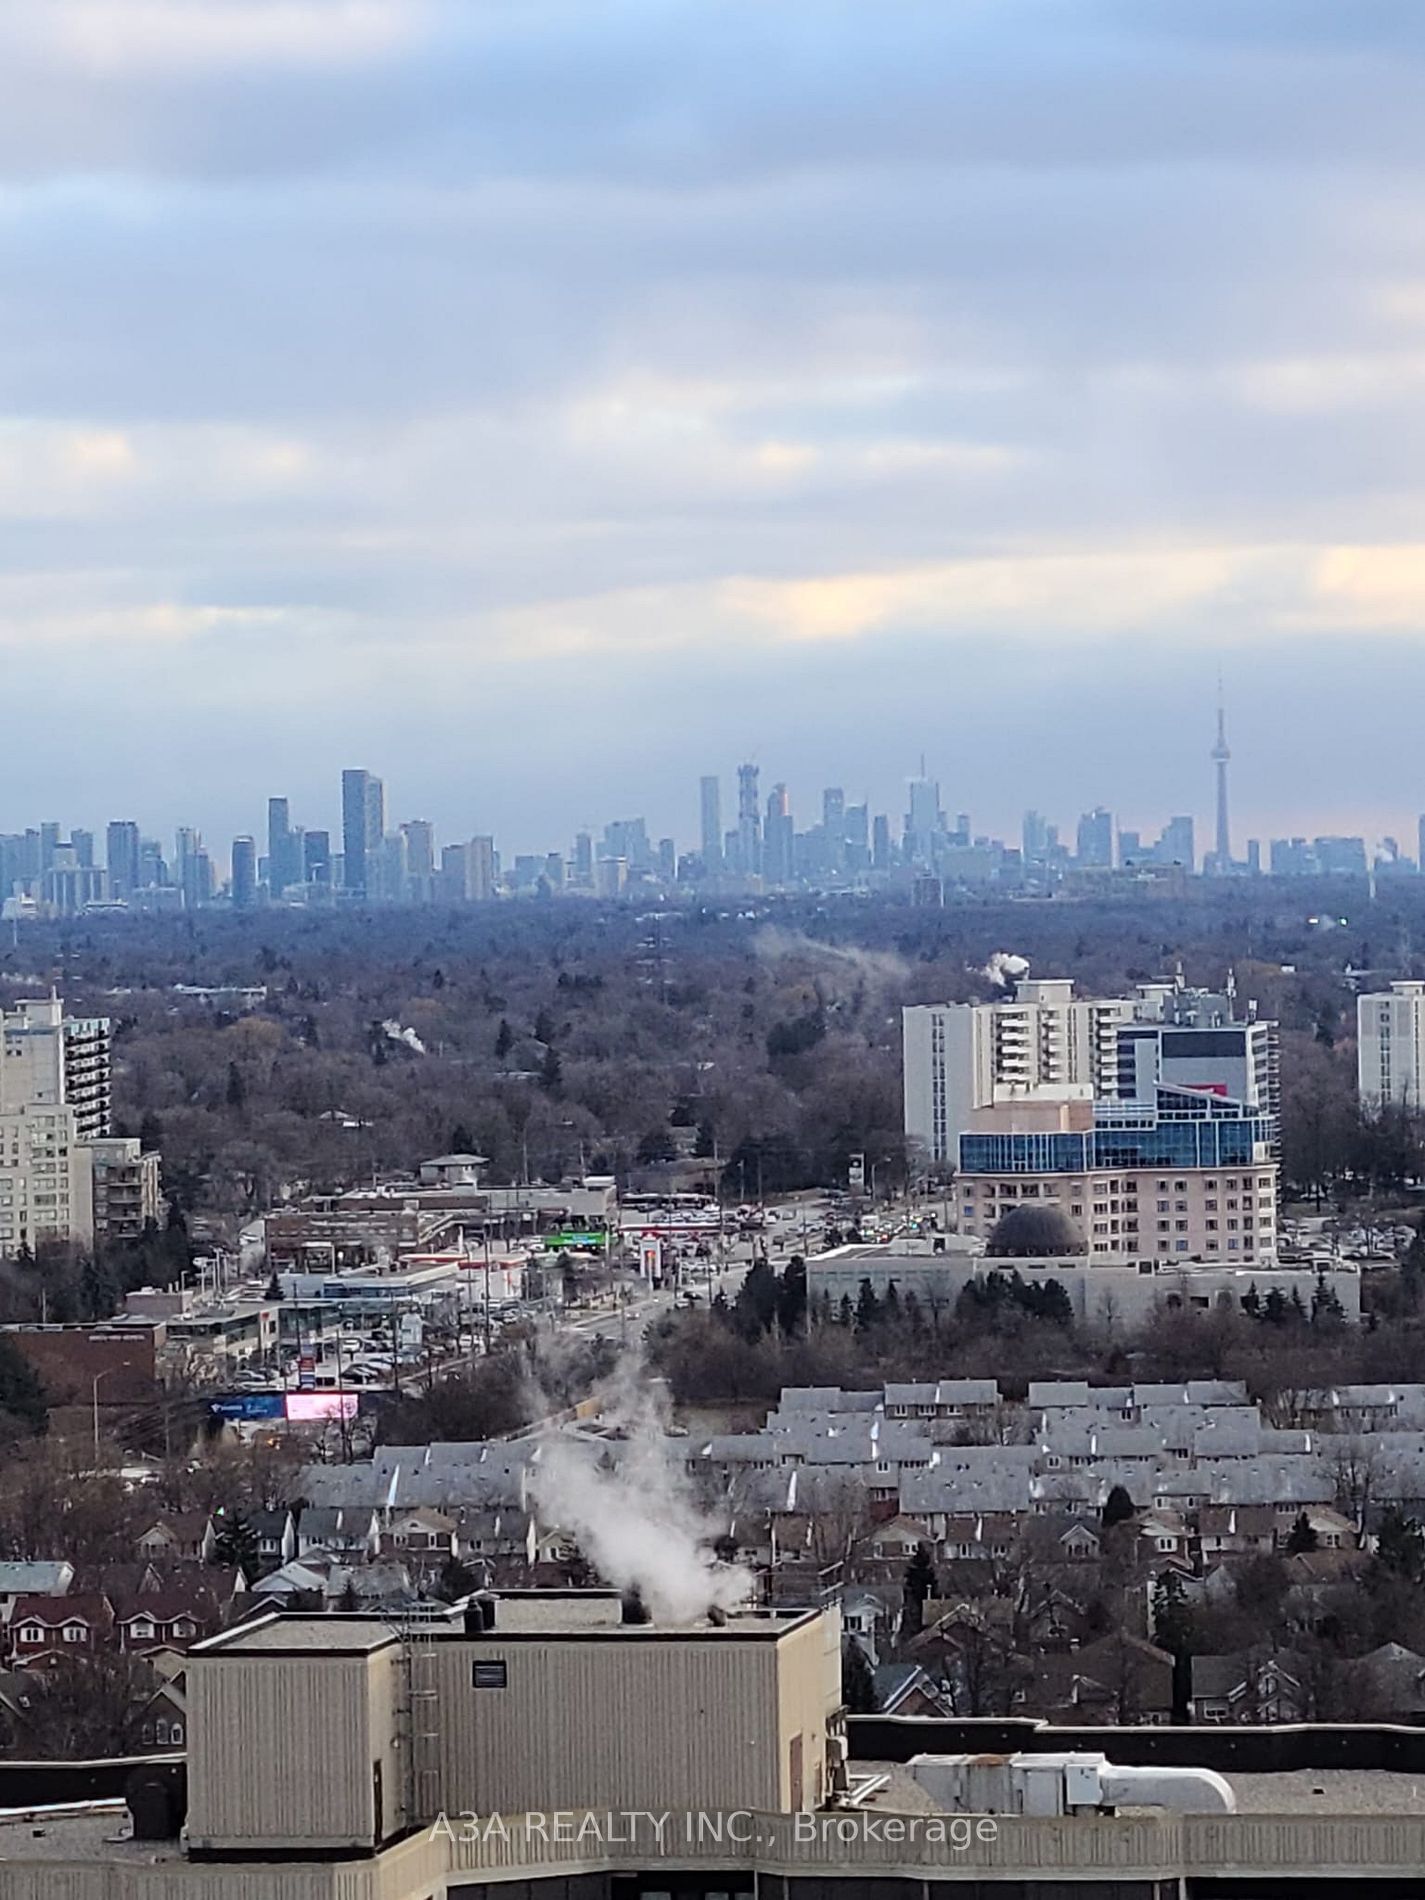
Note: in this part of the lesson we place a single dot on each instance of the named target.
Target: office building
(363, 827)
(924, 822)
(710, 822)
(50, 1060)
(243, 889)
(121, 853)
(1390, 1047)
(127, 1188)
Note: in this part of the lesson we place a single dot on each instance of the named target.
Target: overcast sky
(542, 404)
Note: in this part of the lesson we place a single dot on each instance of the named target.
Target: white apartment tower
(1390, 1047)
(48, 1059)
(1041, 1045)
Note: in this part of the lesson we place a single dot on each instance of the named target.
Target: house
(353, 1535)
(1236, 1530)
(868, 1617)
(1119, 1679)
(1253, 1687)
(1332, 1530)
(1396, 1683)
(45, 1627)
(899, 1539)
(177, 1534)
(40, 1579)
(171, 1619)
(904, 1688)
(421, 1536)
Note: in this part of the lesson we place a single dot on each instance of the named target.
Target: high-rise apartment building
(284, 849)
(778, 838)
(127, 1188)
(710, 821)
(363, 828)
(419, 836)
(1150, 1121)
(46, 1180)
(121, 854)
(243, 889)
(483, 870)
(1095, 842)
(316, 857)
(1390, 1047)
(48, 1059)
(749, 823)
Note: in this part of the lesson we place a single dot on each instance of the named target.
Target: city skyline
(888, 392)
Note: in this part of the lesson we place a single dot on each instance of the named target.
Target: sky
(543, 404)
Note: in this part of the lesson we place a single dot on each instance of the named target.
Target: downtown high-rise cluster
(752, 842)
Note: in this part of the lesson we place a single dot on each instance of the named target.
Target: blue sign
(247, 1406)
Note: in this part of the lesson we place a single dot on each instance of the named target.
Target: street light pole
(94, 1398)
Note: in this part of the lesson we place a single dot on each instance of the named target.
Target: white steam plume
(406, 1037)
(1004, 968)
(638, 1522)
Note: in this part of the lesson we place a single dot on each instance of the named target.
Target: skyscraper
(1222, 850)
(281, 870)
(710, 811)
(923, 821)
(122, 857)
(316, 857)
(749, 822)
(777, 839)
(244, 884)
(1095, 851)
(363, 827)
(419, 834)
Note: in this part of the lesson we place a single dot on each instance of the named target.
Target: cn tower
(1220, 757)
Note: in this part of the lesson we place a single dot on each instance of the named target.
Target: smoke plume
(637, 1520)
(407, 1038)
(1005, 969)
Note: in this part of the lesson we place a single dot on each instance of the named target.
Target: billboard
(248, 1407)
(314, 1408)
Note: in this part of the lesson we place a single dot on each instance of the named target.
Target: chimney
(634, 1608)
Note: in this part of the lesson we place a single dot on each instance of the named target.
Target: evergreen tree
(237, 1093)
(1118, 1507)
(845, 1312)
(917, 1584)
(23, 1406)
(235, 1543)
(792, 1297)
(504, 1040)
(868, 1308)
(462, 1142)
(858, 1684)
(1400, 1545)
(1301, 1537)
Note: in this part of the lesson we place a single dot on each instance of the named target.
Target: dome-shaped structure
(1027, 1232)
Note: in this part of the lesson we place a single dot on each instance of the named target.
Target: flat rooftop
(573, 1616)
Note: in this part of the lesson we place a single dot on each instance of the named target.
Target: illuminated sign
(311, 1408)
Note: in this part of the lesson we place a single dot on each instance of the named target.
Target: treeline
(762, 1038)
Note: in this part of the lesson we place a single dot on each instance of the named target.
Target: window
(75, 1632)
(488, 1675)
(31, 1633)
